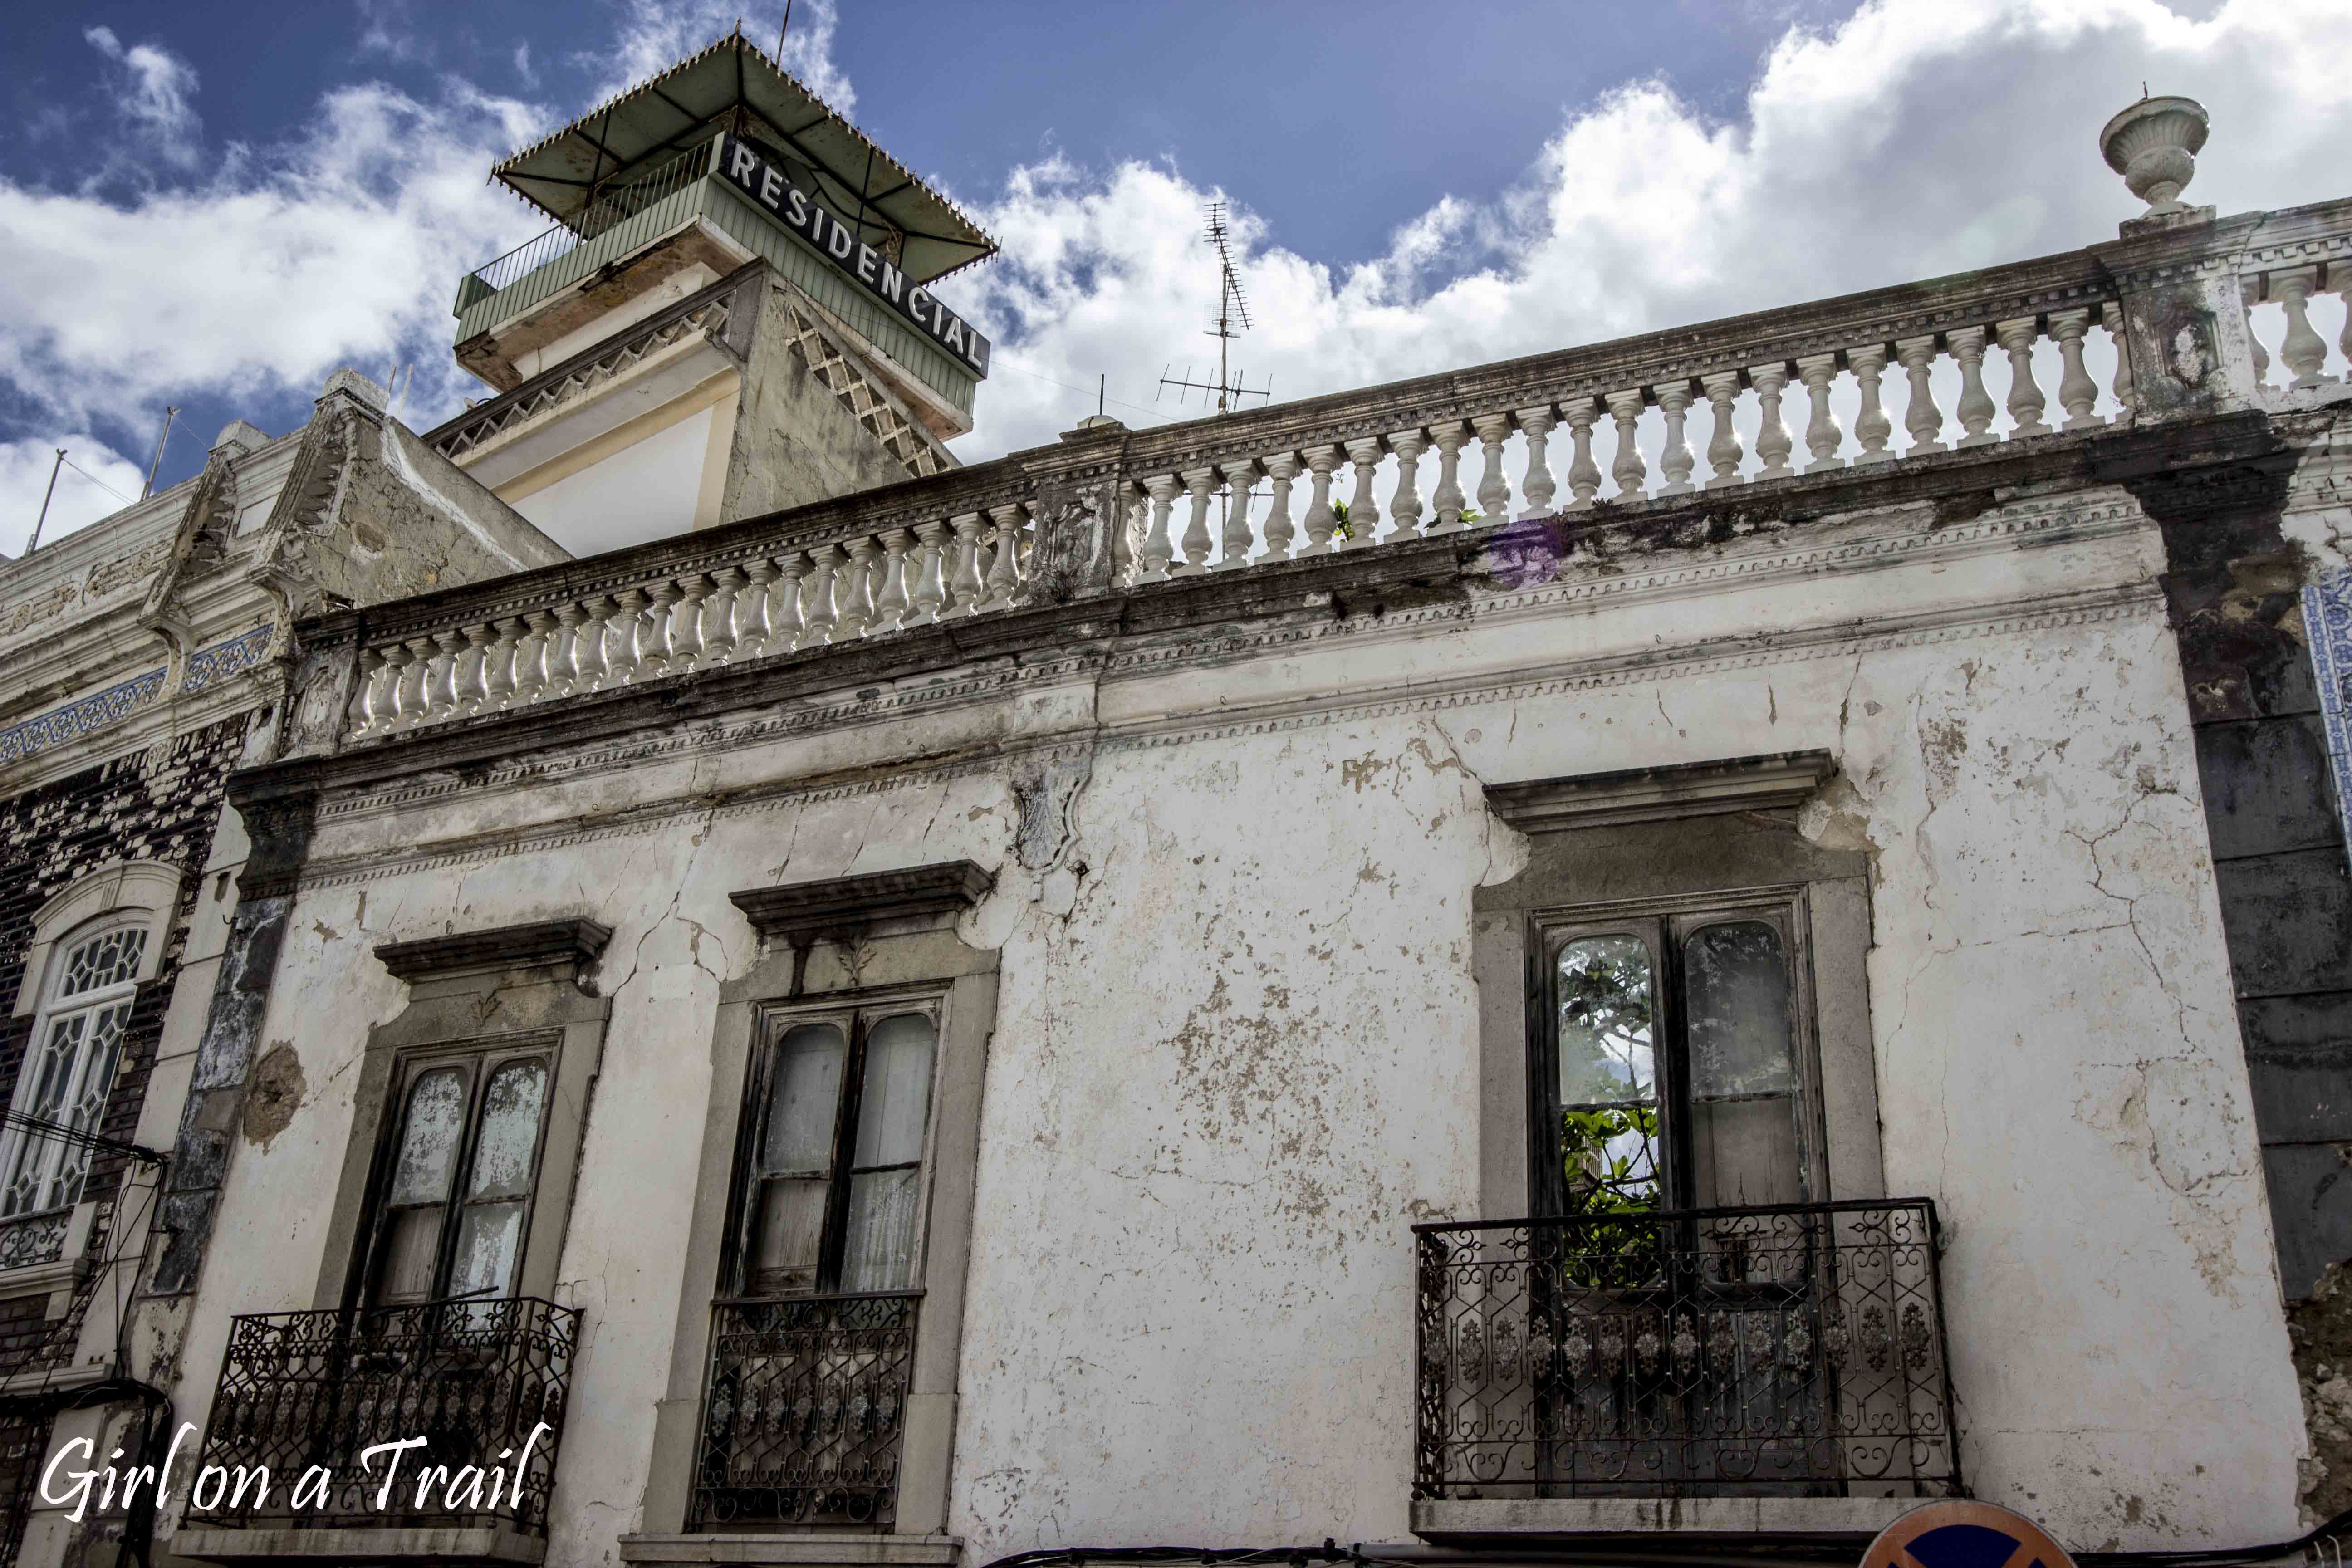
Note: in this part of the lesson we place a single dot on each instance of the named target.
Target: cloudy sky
(214, 207)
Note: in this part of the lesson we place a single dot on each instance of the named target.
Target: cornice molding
(572, 944)
(1779, 782)
(797, 911)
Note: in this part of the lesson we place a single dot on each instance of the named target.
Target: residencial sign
(772, 190)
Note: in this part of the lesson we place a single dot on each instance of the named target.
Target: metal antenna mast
(1232, 320)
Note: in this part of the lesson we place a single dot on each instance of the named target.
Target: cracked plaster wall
(1235, 1054)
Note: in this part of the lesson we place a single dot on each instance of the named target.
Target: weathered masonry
(1698, 967)
(141, 659)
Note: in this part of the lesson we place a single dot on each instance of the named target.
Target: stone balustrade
(2019, 353)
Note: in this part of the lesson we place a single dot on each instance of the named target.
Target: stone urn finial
(2153, 145)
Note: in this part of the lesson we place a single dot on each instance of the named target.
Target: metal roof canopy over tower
(732, 86)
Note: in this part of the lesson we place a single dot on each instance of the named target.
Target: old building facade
(1756, 933)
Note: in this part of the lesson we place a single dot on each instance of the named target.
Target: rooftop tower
(730, 314)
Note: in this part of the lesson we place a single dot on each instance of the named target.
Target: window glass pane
(106, 959)
(879, 1254)
(897, 1096)
(805, 1099)
(489, 1235)
(785, 1235)
(410, 1243)
(1607, 993)
(1743, 1067)
(429, 1138)
(96, 1072)
(509, 1135)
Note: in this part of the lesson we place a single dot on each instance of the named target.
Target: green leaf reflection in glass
(1608, 1075)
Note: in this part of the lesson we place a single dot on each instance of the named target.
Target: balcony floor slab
(1449, 1518)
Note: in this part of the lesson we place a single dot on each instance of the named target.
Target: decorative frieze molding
(1782, 781)
(78, 719)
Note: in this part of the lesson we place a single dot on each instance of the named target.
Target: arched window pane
(510, 1136)
(897, 1098)
(429, 1138)
(111, 957)
(1743, 1067)
(805, 1098)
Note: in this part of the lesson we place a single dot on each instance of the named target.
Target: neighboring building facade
(1069, 1003)
(143, 667)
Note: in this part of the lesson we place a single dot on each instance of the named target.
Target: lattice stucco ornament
(2328, 620)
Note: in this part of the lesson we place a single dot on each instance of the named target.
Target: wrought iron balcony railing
(806, 1408)
(1789, 1352)
(474, 1378)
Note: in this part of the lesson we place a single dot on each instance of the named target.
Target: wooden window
(64, 1081)
(1672, 1061)
(830, 1189)
(461, 1174)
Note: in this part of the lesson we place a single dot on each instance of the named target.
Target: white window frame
(58, 1166)
(126, 895)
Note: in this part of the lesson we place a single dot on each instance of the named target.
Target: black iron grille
(805, 1409)
(1790, 1350)
(473, 1378)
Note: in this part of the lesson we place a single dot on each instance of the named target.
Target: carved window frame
(833, 946)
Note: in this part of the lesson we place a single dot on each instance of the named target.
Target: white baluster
(399, 707)
(590, 670)
(1004, 567)
(1676, 461)
(409, 694)
(2077, 393)
(757, 638)
(474, 670)
(1447, 500)
(788, 627)
(687, 648)
(441, 684)
(1922, 418)
(627, 657)
(2025, 400)
(1724, 451)
(531, 657)
(660, 652)
(1157, 548)
(890, 604)
(718, 616)
(1239, 475)
(1976, 408)
(1632, 474)
(823, 617)
(498, 666)
(930, 589)
(361, 714)
(1772, 441)
(854, 609)
(2111, 316)
(1872, 427)
(1200, 484)
(1494, 488)
(1583, 473)
(2339, 279)
(1822, 436)
(1129, 505)
(560, 678)
(1281, 468)
(1321, 521)
(2304, 351)
(1363, 511)
(1536, 486)
(2250, 293)
(964, 586)
(1404, 502)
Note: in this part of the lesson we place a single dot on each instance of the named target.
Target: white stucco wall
(642, 491)
(1235, 1057)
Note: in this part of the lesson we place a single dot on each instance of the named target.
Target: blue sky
(216, 207)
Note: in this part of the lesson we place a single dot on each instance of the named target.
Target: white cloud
(658, 34)
(153, 94)
(346, 247)
(1916, 138)
(94, 481)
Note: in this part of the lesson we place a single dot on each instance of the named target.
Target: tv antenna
(1233, 320)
